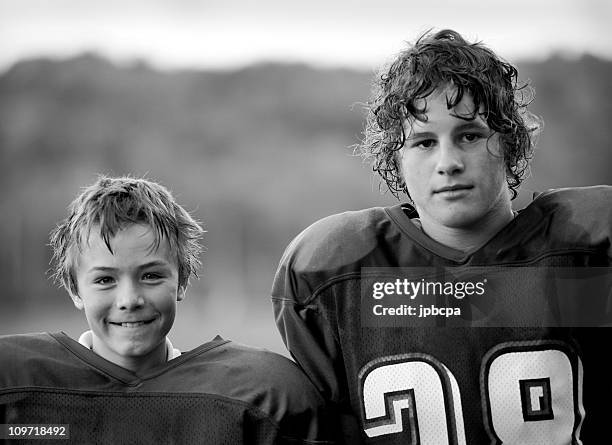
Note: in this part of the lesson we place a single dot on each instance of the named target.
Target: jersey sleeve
(579, 216)
(306, 334)
(310, 334)
(307, 331)
(306, 314)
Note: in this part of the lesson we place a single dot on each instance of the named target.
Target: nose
(129, 296)
(450, 159)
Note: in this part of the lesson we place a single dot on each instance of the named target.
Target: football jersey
(218, 393)
(525, 367)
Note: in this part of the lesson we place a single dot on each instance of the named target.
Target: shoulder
(338, 240)
(570, 218)
(21, 346)
(338, 246)
(578, 202)
(265, 370)
(273, 385)
(25, 357)
(584, 209)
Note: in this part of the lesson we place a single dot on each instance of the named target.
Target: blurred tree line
(256, 154)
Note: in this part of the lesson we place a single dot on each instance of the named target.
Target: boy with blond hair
(125, 254)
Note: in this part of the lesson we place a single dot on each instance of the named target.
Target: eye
(471, 137)
(151, 276)
(424, 143)
(105, 280)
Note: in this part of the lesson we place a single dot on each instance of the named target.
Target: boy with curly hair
(125, 254)
(453, 319)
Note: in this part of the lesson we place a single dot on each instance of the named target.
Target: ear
(77, 301)
(180, 294)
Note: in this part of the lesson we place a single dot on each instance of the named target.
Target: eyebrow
(419, 135)
(478, 125)
(101, 269)
(155, 263)
(471, 125)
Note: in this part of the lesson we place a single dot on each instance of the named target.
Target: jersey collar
(86, 339)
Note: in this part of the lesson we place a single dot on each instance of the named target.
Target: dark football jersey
(218, 393)
(525, 366)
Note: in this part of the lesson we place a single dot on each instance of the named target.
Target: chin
(458, 220)
(136, 350)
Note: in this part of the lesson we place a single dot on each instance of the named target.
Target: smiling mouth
(132, 324)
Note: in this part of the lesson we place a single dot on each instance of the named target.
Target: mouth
(453, 188)
(132, 324)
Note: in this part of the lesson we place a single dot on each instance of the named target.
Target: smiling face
(453, 167)
(129, 296)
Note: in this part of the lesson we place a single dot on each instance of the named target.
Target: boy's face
(454, 171)
(129, 296)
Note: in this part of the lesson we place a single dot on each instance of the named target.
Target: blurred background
(247, 111)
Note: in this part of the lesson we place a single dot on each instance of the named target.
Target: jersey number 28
(531, 392)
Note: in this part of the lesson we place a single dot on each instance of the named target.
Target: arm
(309, 334)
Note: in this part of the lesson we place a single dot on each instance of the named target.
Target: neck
(469, 237)
(135, 363)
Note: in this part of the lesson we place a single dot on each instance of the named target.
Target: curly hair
(434, 61)
(111, 204)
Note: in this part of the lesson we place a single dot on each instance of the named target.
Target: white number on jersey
(531, 393)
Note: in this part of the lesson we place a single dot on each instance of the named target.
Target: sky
(225, 34)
